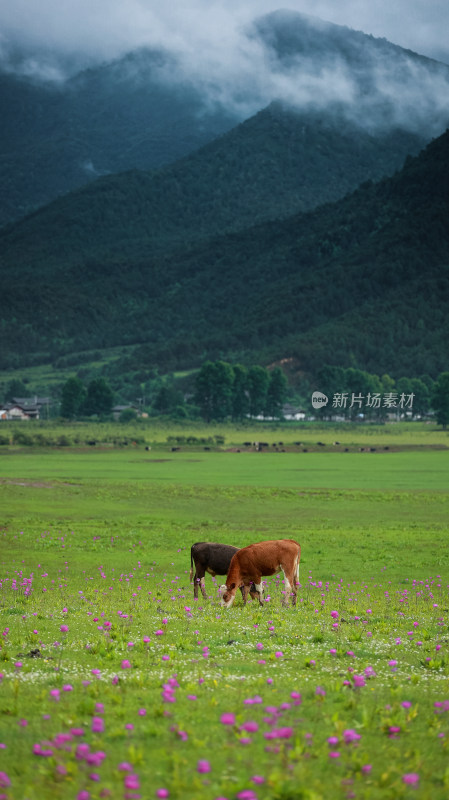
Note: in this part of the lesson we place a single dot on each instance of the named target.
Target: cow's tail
(191, 564)
(298, 558)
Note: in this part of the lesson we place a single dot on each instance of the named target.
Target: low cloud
(214, 49)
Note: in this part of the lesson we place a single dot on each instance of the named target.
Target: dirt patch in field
(34, 484)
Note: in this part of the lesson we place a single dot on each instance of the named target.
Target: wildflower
(249, 727)
(165, 658)
(350, 736)
(125, 664)
(203, 766)
(54, 694)
(142, 712)
(64, 628)
(332, 741)
(131, 781)
(334, 754)
(258, 779)
(67, 687)
(97, 725)
(406, 704)
(227, 718)
(334, 614)
(359, 680)
(162, 793)
(320, 691)
(366, 769)
(82, 751)
(4, 780)
(411, 778)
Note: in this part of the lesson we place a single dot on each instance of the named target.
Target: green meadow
(116, 683)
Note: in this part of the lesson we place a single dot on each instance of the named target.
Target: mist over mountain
(156, 105)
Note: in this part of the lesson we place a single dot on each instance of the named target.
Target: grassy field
(115, 681)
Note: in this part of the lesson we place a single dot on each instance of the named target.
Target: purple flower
(249, 727)
(350, 736)
(227, 718)
(97, 725)
(125, 664)
(4, 780)
(162, 793)
(203, 766)
(131, 781)
(64, 628)
(411, 778)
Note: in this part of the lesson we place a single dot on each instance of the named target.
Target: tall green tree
(276, 393)
(73, 398)
(213, 395)
(258, 380)
(440, 399)
(100, 398)
(240, 399)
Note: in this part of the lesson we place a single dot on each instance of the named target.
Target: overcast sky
(103, 29)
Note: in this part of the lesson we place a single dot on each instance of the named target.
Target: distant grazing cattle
(213, 558)
(251, 563)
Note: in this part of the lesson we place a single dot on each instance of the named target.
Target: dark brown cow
(251, 563)
(213, 558)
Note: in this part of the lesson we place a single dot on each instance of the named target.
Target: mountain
(361, 282)
(151, 108)
(268, 167)
(57, 136)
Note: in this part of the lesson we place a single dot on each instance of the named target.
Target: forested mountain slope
(363, 281)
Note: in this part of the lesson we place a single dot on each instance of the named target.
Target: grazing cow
(250, 563)
(212, 558)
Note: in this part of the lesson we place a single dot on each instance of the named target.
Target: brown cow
(250, 563)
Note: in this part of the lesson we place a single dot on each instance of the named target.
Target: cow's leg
(290, 585)
(256, 592)
(245, 590)
(287, 586)
(198, 581)
(259, 592)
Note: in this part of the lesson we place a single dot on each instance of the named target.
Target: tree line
(230, 391)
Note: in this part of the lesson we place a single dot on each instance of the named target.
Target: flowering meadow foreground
(120, 685)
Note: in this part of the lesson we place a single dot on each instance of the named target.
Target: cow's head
(227, 594)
